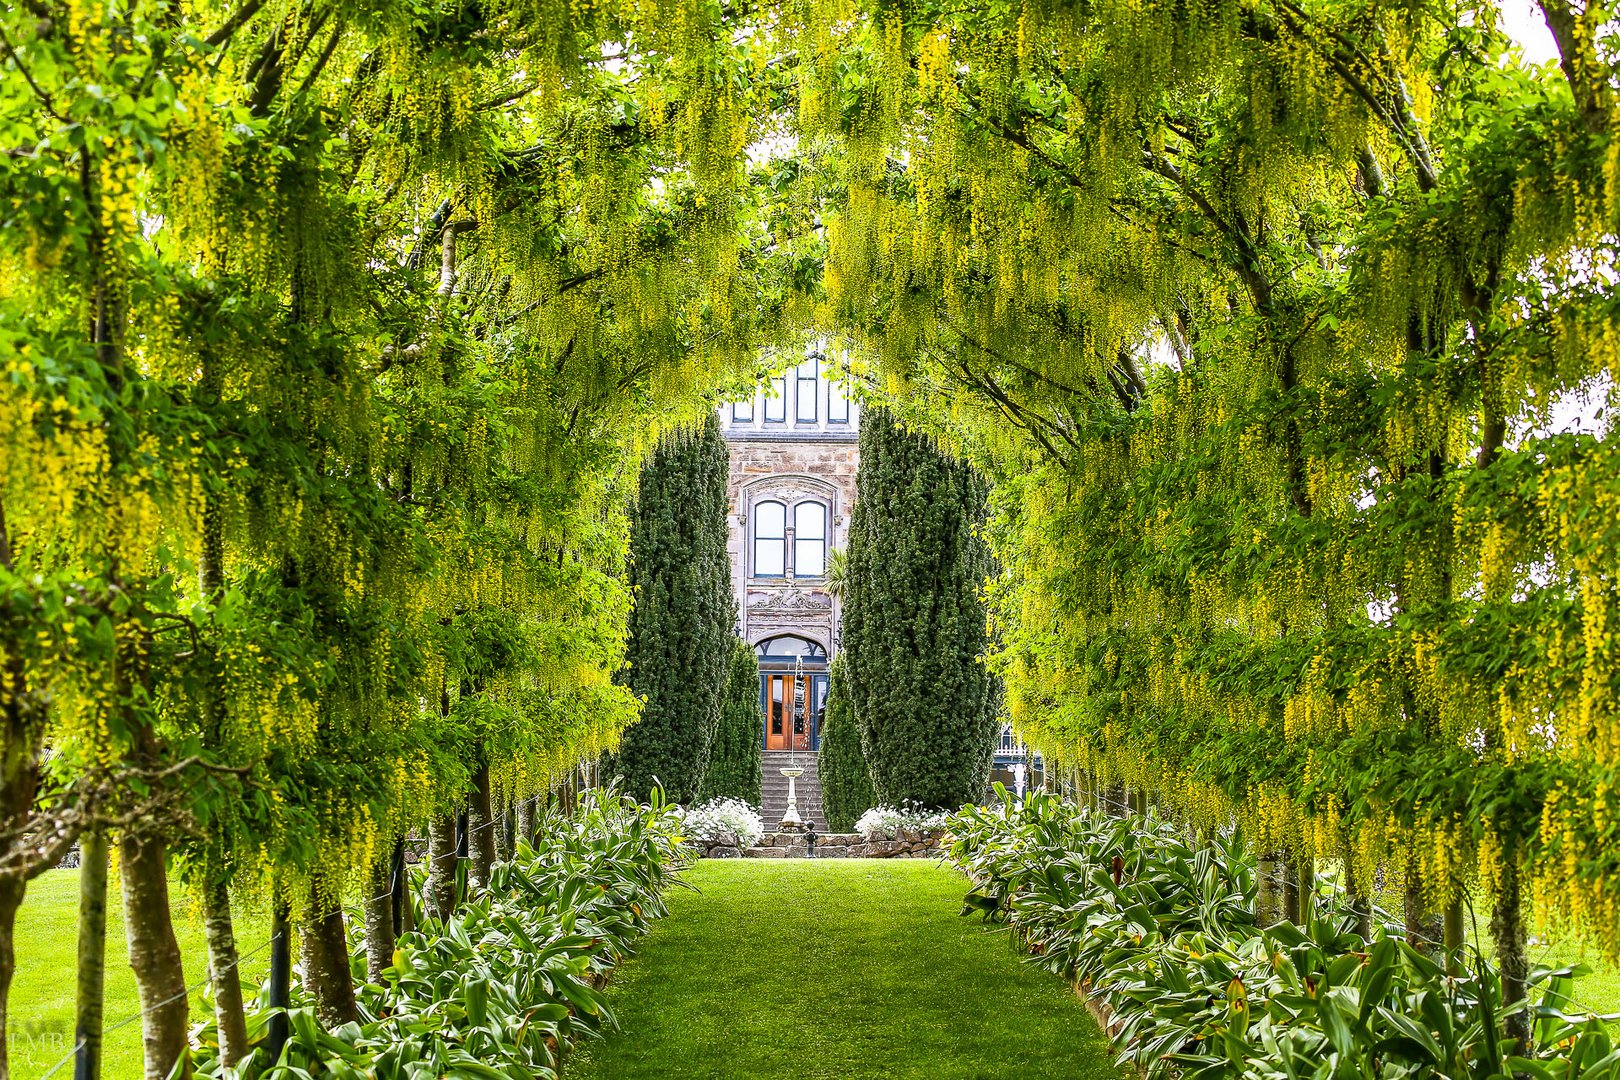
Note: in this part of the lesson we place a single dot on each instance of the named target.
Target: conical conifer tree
(681, 629)
(733, 770)
(846, 783)
(914, 622)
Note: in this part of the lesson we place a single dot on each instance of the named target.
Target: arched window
(809, 539)
(770, 539)
(789, 647)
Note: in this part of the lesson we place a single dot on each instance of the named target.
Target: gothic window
(806, 391)
(770, 539)
(742, 412)
(776, 400)
(837, 404)
(809, 539)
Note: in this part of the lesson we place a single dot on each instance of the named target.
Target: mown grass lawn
(41, 1014)
(836, 968)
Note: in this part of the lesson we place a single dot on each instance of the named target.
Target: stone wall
(906, 844)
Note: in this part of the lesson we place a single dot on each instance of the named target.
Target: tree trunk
(1422, 929)
(92, 979)
(1268, 902)
(525, 821)
(280, 978)
(1507, 927)
(154, 954)
(480, 831)
(1359, 907)
(326, 960)
(442, 866)
(399, 886)
(1454, 937)
(506, 835)
(380, 918)
(12, 888)
(222, 971)
(1292, 907)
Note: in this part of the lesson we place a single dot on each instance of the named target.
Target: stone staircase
(773, 788)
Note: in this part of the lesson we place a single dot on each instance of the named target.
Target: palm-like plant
(837, 575)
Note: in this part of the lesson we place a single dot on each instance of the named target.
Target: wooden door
(779, 712)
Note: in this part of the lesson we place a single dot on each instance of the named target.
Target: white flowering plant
(884, 822)
(722, 819)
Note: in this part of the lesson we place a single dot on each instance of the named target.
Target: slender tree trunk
(1422, 928)
(505, 835)
(92, 979)
(442, 866)
(1507, 927)
(154, 954)
(280, 977)
(1292, 907)
(525, 820)
(399, 886)
(12, 888)
(222, 974)
(1268, 901)
(1454, 937)
(326, 960)
(404, 899)
(480, 831)
(1359, 907)
(380, 918)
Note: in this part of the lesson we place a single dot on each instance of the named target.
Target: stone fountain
(791, 821)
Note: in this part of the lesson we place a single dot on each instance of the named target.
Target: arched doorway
(792, 691)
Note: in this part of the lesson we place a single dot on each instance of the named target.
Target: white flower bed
(883, 822)
(730, 820)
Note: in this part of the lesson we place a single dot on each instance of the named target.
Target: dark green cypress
(734, 761)
(914, 620)
(681, 628)
(846, 784)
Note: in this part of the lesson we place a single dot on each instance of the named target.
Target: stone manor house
(791, 488)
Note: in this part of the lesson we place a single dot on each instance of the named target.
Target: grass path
(836, 968)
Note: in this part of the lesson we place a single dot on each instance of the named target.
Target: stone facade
(789, 464)
(791, 486)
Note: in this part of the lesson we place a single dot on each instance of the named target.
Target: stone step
(774, 786)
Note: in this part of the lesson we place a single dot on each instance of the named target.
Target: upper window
(809, 539)
(837, 403)
(807, 384)
(770, 539)
(776, 400)
(742, 412)
(789, 645)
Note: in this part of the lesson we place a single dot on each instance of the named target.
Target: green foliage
(846, 782)
(734, 759)
(914, 622)
(682, 627)
(513, 980)
(1163, 932)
